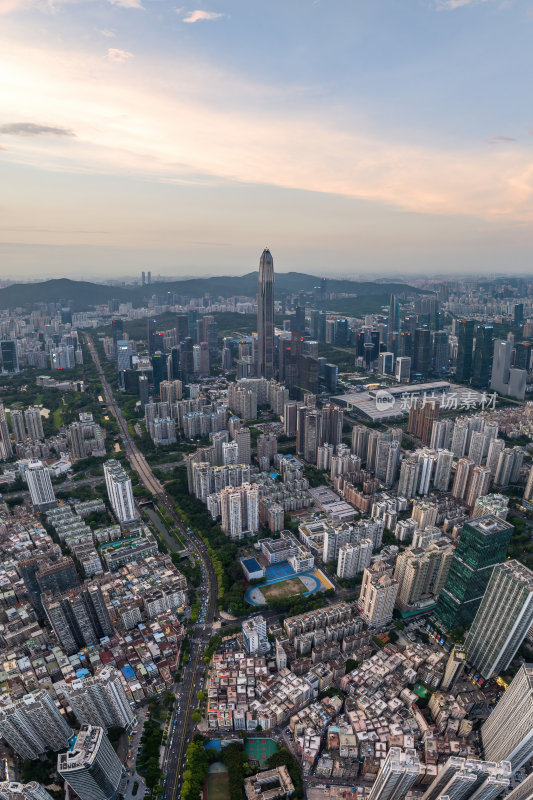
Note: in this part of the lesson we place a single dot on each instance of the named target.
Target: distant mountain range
(82, 295)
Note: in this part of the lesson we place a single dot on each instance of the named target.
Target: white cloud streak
(202, 16)
(452, 5)
(52, 6)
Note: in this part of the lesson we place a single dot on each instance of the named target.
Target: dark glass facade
(483, 356)
(465, 345)
(483, 544)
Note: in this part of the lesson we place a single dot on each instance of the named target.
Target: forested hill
(82, 295)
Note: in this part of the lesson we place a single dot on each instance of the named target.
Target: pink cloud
(118, 56)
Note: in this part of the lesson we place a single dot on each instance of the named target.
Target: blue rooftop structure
(251, 564)
(127, 672)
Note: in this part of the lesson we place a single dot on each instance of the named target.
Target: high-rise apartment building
(479, 485)
(17, 425)
(408, 483)
(265, 316)
(463, 475)
(13, 790)
(528, 491)
(34, 423)
(90, 766)
(79, 618)
(469, 778)
(254, 635)
(482, 545)
(422, 416)
(421, 574)
(353, 558)
(443, 470)
(360, 441)
(397, 775)
(239, 509)
(244, 444)
(424, 514)
(441, 434)
(378, 594)
(503, 619)
(454, 667)
(40, 485)
(509, 464)
(119, 491)
(507, 734)
(493, 455)
(33, 725)
(6, 450)
(495, 504)
(99, 700)
(524, 790)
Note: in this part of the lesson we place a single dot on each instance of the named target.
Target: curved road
(182, 725)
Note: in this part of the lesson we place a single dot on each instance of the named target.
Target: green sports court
(260, 750)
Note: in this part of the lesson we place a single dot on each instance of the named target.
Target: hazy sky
(349, 136)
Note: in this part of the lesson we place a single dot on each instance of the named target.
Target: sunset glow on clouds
(196, 115)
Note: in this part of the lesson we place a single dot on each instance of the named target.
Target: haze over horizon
(354, 139)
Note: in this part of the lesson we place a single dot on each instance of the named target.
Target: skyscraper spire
(265, 316)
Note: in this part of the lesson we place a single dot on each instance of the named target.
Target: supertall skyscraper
(265, 316)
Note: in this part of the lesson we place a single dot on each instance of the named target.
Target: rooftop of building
(82, 750)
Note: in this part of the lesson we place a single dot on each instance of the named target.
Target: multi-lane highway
(182, 725)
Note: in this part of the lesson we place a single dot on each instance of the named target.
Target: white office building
(403, 369)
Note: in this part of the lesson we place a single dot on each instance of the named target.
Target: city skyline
(365, 139)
